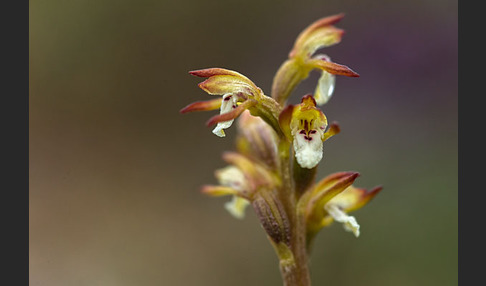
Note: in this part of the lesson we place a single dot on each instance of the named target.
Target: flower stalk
(279, 147)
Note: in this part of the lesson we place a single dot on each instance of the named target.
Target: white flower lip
(325, 84)
(228, 103)
(232, 177)
(308, 147)
(349, 222)
(236, 207)
(325, 88)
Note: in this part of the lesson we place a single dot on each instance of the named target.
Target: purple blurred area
(115, 170)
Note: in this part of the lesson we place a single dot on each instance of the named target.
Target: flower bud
(273, 218)
(257, 140)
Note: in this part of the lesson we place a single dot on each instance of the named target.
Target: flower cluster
(279, 147)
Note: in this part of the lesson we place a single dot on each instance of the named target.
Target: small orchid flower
(238, 94)
(350, 199)
(232, 182)
(333, 198)
(306, 125)
(242, 179)
(302, 61)
(234, 178)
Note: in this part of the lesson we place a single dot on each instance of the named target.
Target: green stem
(303, 178)
(294, 257)
(293, 266)
(300, 250)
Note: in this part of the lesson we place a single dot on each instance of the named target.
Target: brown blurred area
(115, 170)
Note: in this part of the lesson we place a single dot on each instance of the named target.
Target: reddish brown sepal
(213, 71)
(334, 68)
(326, 21)
(232, 114)
(202, 106)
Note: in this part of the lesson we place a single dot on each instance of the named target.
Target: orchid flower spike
(279, 147)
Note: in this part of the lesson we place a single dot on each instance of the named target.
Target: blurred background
(115, 170)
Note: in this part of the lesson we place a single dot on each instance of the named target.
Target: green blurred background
(115, 170)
